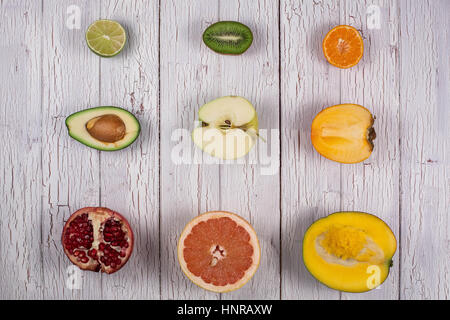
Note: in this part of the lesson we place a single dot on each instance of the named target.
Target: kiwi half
(228, 37)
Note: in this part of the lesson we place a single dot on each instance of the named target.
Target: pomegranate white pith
(217, 252)
(97, 239)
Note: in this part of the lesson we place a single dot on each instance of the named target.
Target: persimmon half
(344, 133)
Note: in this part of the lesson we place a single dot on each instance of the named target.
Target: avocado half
(104, 128)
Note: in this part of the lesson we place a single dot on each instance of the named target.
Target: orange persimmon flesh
(343, 133)
(343, 46)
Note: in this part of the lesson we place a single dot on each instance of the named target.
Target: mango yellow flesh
(349, 251)
(343, 133)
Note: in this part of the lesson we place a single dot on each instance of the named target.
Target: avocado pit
(107, 128)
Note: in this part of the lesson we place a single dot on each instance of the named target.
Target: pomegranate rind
(254, 242)
(106, 213)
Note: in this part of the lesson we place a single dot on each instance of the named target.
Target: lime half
(106, 37)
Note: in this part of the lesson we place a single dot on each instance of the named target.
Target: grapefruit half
(219, 251)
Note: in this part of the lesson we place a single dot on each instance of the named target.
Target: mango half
(349, 251)
(344, 133)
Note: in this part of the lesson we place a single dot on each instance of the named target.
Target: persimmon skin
(344, 133)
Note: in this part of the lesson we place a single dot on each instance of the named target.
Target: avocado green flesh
(76, 124)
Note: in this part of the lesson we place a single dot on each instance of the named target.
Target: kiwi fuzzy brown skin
(223, 28)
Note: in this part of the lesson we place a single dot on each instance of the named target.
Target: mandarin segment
(343, 46)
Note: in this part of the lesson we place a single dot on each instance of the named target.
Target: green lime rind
(106, 38)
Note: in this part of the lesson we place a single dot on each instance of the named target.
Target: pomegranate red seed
(111, 249)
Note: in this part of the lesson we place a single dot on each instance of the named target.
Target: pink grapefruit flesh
(219, 251)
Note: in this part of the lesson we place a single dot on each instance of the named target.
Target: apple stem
(261, 137)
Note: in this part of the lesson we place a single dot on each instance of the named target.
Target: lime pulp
(106, 38)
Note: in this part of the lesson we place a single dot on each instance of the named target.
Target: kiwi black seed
(228, 37)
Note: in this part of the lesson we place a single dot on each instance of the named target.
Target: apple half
(229, 127)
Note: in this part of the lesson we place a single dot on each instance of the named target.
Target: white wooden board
(162, 181)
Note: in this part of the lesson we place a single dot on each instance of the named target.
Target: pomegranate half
(97, 239)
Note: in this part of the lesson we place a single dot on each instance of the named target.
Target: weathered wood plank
(188, 80)
(252, 189)
(425, 141)
(47, 73)
(20, 159)
(372, 186)
(130, 177)
(310, 185)
(70, 170)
